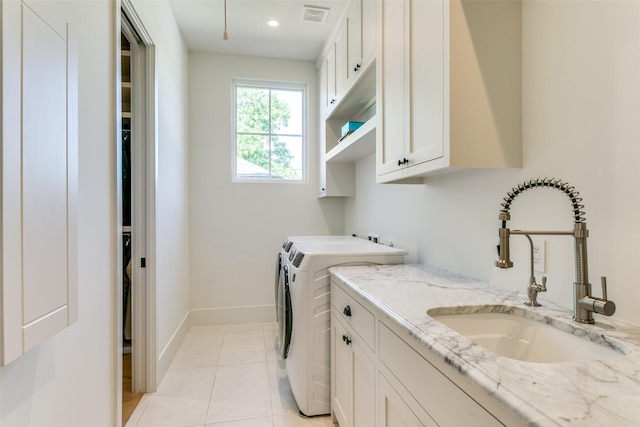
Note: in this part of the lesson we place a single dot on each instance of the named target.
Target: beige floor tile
(245, 328)
(194, 384)
(207, 332)
(200, 348)
(240, 392)
(253, 422)
(164, 411)
(243, 345)
(282, 400)
(272, 341)
(295, 420)
(225, 376)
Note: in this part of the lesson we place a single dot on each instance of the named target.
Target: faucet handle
(599, 305)
(603, 281)
(543, 288)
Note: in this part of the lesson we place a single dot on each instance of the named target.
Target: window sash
(297, 170)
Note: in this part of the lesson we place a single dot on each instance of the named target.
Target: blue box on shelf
(349, 127)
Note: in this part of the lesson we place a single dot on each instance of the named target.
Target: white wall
(581, 96)
(171, 204)
(237, 228)
(70, 380)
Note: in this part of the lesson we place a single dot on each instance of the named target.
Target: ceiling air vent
(314, 14)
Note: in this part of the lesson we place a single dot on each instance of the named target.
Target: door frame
(143, 216)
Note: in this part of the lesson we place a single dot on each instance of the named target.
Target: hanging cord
(225, 35)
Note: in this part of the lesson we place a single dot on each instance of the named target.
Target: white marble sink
(525, 335)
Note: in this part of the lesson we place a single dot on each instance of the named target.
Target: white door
(143, 160)
(39, 175)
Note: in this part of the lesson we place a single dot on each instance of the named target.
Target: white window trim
(271, 84)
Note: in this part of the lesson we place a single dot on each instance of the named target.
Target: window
(270, 141)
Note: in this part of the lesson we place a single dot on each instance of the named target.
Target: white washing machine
(306, 294)
(281, 275)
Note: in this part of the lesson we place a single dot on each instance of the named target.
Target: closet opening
(130, 398)
(136, 202)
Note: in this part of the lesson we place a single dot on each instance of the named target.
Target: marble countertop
(576, 393)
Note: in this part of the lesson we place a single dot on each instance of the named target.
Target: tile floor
(225, 376)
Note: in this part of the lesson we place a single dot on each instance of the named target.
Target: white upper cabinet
(349, 53)
(445, 93)
(330, 93)
(448, 87)
(336, 64)
(39, 176)
(347, 85)
(369, 25)
(341, 64)
(361, 37)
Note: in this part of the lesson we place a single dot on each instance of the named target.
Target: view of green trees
(262, 113)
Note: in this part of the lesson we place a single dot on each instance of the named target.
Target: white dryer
(283, 259)
(306, 292)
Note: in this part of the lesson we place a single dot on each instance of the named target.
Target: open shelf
(357, 96)
(354, 147)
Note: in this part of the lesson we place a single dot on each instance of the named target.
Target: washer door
(285, 321)
(278, 285)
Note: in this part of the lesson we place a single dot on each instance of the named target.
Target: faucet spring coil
(565, 187)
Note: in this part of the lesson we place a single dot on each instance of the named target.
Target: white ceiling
(202, 26)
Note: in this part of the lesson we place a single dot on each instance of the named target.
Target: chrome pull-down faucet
(584, 305)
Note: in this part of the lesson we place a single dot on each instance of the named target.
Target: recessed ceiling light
(273, 23)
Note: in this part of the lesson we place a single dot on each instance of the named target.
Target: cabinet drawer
(354, 314)
(447, 404)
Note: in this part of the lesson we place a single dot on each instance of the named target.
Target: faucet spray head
(504, 257)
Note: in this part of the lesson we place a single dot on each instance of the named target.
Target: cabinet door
(322, 142)
(392, 86)
(364, 390)
(354, 41)
(442, 399)
(341, 60)
(39, 175)
(340, 374)
(323, 89)
(331, 95)
(353, 379)
(394, 411)
(368, 31)
(426, 49)
(361, 37)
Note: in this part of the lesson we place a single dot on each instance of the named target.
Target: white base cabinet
(394, 409)
(437, 395)
(381, 376)
(353, 401)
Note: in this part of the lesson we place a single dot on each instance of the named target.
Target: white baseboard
(233, 315)
(209, 317)
(170, 350)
